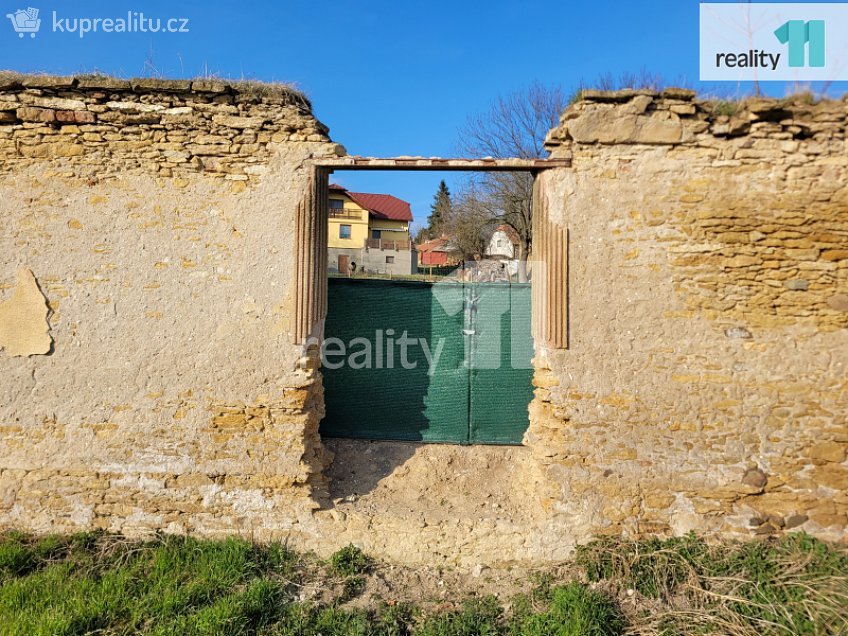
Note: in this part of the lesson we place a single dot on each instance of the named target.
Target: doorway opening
(426, 355)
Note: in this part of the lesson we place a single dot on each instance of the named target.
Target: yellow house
(371, 230)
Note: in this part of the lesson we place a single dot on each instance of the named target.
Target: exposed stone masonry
(706, 382)
(765, 258)
(156, 216)
(163, 127)
(702, 384)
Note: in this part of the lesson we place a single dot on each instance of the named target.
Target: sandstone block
(105, 83)
(208, 149)
(47, 81)
(682, 94)
(140, 119)
(797, 284)
(623, 95)
(174, 156)
(165, 85)
(211, 139)
(177, 120)
(66, 150)
(683, 109)
(839, 302)
(193, 480)
(9, 80)
(834, 255)
(181, 110)
(38, 151)
(76, 116)
(827, 520)
(134, 107)
(56, 103)
(762, 106)
(828, 451)
(209, 86)
(234, 121)
(734, 237)
(731, 127)
(8, 492)
(30, 113)
(602, 126)
(832, 476)
(659, 500)
(639, 104)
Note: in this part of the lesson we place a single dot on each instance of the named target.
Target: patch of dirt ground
(434, 481)
(436, 504)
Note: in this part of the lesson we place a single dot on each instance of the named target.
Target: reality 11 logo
(803, 35)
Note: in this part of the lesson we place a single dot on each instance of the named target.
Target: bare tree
(515, 125)
(469, 223)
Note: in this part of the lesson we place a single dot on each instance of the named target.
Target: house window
(336, 204)
(344, 231)
(500, 243)
(375, 234)
(390, 260)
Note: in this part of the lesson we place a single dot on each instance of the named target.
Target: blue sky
(388, 78)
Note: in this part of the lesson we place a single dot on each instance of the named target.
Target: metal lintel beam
(439, 163)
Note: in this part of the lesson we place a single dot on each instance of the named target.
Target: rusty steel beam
(440, 163)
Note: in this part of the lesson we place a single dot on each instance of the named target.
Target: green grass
(99, 584)
(724, 107)
(792, 585)
(172, 585)
(570, 610)
(349, 561)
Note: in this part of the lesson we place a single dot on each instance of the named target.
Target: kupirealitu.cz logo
(27, 22)
(774, 41)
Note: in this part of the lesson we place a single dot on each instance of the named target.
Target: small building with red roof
(437, 252)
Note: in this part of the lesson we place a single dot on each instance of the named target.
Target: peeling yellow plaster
(24, 330)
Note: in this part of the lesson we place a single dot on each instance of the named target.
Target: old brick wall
(157, 218)
(706, 381)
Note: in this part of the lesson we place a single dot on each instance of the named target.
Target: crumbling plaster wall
(158, 219)
(705, 385)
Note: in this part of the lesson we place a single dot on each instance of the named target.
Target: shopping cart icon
(25, 21)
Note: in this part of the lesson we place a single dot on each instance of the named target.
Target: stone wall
(705, 385)
(162, 127)
(147, 306)
(157, 220)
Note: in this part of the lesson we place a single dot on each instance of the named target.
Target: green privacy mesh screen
(433, 362)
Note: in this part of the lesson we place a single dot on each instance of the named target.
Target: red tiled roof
(438, 244)
(432, 244)
(381, 206)
(510, 232)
